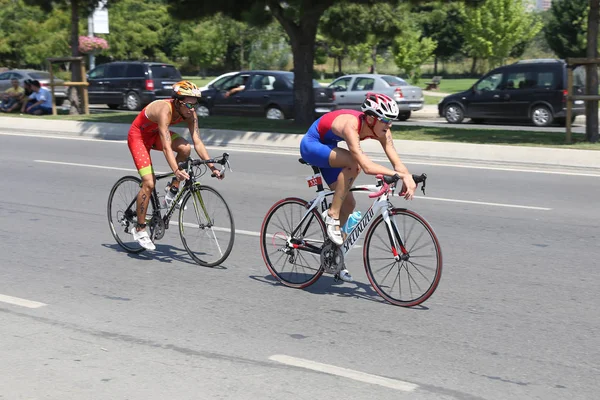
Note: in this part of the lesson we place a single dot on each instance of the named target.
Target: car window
(237, 80)
(39, 75)
(135, 71)
(115, 71)
(363, 84)
(219, 82)
(97, 73)
(340, 85)
(316, 84)
(165, 72)
(490, 82)
(262, 82)
(16, 75)
(514, 80)
(5, 76)
(394, 80)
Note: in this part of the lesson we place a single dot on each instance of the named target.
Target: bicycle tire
(121, 219)
(203, 214)
(421, 243)
(275, 239)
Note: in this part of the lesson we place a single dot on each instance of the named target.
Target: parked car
(218, 80)
(266, 93)
(533, 90)
(60, 92)
(350, 92)
(131, 84)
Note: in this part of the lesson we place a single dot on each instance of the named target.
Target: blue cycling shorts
(316, 153)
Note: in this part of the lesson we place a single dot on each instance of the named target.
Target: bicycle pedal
(336, 278)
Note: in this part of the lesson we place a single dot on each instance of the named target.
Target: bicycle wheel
(413, 278)
(122, 215)
(294, 260)
(206, 226)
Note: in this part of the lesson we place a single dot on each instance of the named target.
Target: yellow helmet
(186, 89)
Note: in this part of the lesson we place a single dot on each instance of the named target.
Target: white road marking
(345, 373)
(21, 302)
(296, 154)
(254, 233)
(483, 203)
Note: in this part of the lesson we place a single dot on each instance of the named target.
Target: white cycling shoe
(143, 239)
(334, 234)
(345, 276)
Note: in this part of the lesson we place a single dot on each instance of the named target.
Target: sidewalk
(410, 151)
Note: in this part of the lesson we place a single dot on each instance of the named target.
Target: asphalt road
(515, 316)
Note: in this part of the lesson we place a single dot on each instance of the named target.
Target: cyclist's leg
(140, 152)
(343, 202)
(180, 146)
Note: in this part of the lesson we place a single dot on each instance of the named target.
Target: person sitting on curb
(43, 100)
(26, 101)
(12, 97)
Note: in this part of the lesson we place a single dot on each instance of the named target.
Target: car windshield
(165, 72)
(39, 75)
(394, 80)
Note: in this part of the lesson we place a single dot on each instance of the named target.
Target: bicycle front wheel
(406, 275)
(206, 226)
(122, 214)
(291, 247)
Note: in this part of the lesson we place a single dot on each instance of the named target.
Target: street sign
(100, 18)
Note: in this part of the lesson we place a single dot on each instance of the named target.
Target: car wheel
(274, 113)
(454, 113)
(203, 111)
(132, 101)
(541, 116)
(113, 106)
(403, 116)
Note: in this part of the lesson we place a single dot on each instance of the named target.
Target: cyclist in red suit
(340, 167)
(150, 130)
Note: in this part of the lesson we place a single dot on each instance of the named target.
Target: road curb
(408, 149)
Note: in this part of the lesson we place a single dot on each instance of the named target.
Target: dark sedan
(265, 93)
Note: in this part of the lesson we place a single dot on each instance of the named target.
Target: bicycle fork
(398, 250)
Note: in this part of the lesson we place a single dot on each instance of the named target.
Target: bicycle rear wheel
(294, 260)
(122, 214)
(206, 226)
(413, 278)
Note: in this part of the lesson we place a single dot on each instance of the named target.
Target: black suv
(131, 84)
(533, 90)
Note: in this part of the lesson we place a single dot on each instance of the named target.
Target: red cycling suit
(143, 136)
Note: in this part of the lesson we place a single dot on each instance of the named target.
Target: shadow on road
(163, 253)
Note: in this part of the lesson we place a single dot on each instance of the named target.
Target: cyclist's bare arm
(347, 128)
(408, 182)
(160, 112)
(198, 143)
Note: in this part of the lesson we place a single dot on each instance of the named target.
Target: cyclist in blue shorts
(340, 167)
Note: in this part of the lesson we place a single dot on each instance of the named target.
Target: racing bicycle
(401, 253)
(205, 221)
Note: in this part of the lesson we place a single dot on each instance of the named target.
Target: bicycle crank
(332, 258)
(157, 228)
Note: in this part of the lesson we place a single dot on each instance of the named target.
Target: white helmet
(380, 105)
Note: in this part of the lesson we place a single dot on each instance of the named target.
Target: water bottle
(353, 219)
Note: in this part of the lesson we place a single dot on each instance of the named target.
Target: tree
(299, 18)
(591, 113)
(411, 49)
(496, 27)
(566, 28)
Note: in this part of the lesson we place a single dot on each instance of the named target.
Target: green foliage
(494, 29)
(566, 29)
(443, 25)
(271, 49)
(411, 50)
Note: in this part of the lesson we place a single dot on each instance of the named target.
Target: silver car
(60, 92)
(350, 92)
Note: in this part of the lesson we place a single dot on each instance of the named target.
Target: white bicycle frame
(380, 206)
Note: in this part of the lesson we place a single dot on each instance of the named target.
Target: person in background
(42, 100)
(12, 97)
(26, 101)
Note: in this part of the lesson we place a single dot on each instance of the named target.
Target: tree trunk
(591, 114)
(339, 60)
(303, 49)
(75, 93)
(474, 66)
(435, 65)
(374, 59)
